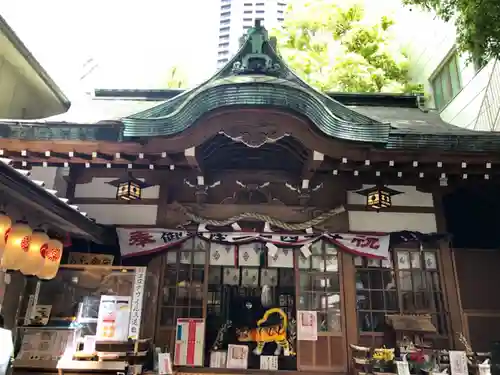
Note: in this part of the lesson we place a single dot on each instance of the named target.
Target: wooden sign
(91, 259)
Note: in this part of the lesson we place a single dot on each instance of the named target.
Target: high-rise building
(237, 16)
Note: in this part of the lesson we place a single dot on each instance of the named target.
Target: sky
(133, 42)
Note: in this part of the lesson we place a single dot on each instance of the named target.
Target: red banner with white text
(142, 241)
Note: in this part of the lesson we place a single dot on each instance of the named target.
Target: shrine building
(254, 192)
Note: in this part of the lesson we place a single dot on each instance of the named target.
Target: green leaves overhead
(176, 78)
(334, 46)
(477, 24)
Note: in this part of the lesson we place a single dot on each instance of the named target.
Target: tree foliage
(176, 78)
(477, 24)
(335, 47)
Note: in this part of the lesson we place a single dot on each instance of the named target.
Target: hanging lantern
(35, 257)
(129, 188)
(17, 246)
(5, 225)
(52, 254)
(378, 197)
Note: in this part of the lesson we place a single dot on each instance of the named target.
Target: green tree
(333, 46)
(477, 23)
(176, 78)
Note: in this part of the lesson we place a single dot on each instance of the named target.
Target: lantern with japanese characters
(129, 188)
(52, 254)
(5, 225)
(378, 197)
(35, 258)
(17, 246)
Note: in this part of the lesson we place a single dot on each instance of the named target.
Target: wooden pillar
(152, 308)
(349, 311)
(158, 263)
(161, 214)
(449, 280)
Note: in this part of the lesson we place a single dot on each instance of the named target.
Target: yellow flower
(383, 354)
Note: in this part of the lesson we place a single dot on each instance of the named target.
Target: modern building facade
(466, 95)
(238, 16)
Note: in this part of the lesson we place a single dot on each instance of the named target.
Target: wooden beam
(100, 157)
(190, 155)
(312, 164)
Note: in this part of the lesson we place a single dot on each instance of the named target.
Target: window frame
(312, 273)
(368, 268)
(443, 80)
(440, 312)
(179, 251)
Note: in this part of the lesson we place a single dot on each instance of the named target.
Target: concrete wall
(371, 221)
(119, 214)
(429, 41)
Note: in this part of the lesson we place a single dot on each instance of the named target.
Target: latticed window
(319, 286)
(407, 284)
(446, 82)
(183, 291)
(419, 287)
(376, 293)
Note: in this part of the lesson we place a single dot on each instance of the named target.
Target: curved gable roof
(256, 76)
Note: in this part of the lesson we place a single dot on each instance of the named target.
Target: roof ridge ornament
(254, 59)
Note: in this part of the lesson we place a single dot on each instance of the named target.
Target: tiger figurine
(263, 335)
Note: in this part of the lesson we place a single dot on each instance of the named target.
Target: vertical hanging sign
(137, 299)
(189, 342)
(32, 302)
(307, 325)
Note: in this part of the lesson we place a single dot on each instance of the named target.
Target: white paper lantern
(17, 246)
(52, 255)
(35, 258)
(5, 225)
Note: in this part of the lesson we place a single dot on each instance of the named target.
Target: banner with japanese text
(142, 241)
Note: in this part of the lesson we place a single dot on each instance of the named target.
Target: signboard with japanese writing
(113, 319)
(237, 356)
(137, 299)
(458, 362)
(44, 344)
(141, 241)
(189, 342)
(307, 325)
(90, 259)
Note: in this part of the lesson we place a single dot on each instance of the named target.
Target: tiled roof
(21, 189)
(413, 128)
(255, 77)
(26, 174)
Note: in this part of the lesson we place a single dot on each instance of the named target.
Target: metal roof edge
(33, 62)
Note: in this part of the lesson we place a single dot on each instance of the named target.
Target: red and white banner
(142, 241)
(189, 340)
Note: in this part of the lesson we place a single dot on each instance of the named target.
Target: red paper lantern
(5, 225)
(52, 254)
(17, 246)
(35, 259)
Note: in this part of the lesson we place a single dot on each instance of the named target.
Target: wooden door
(320, 288)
